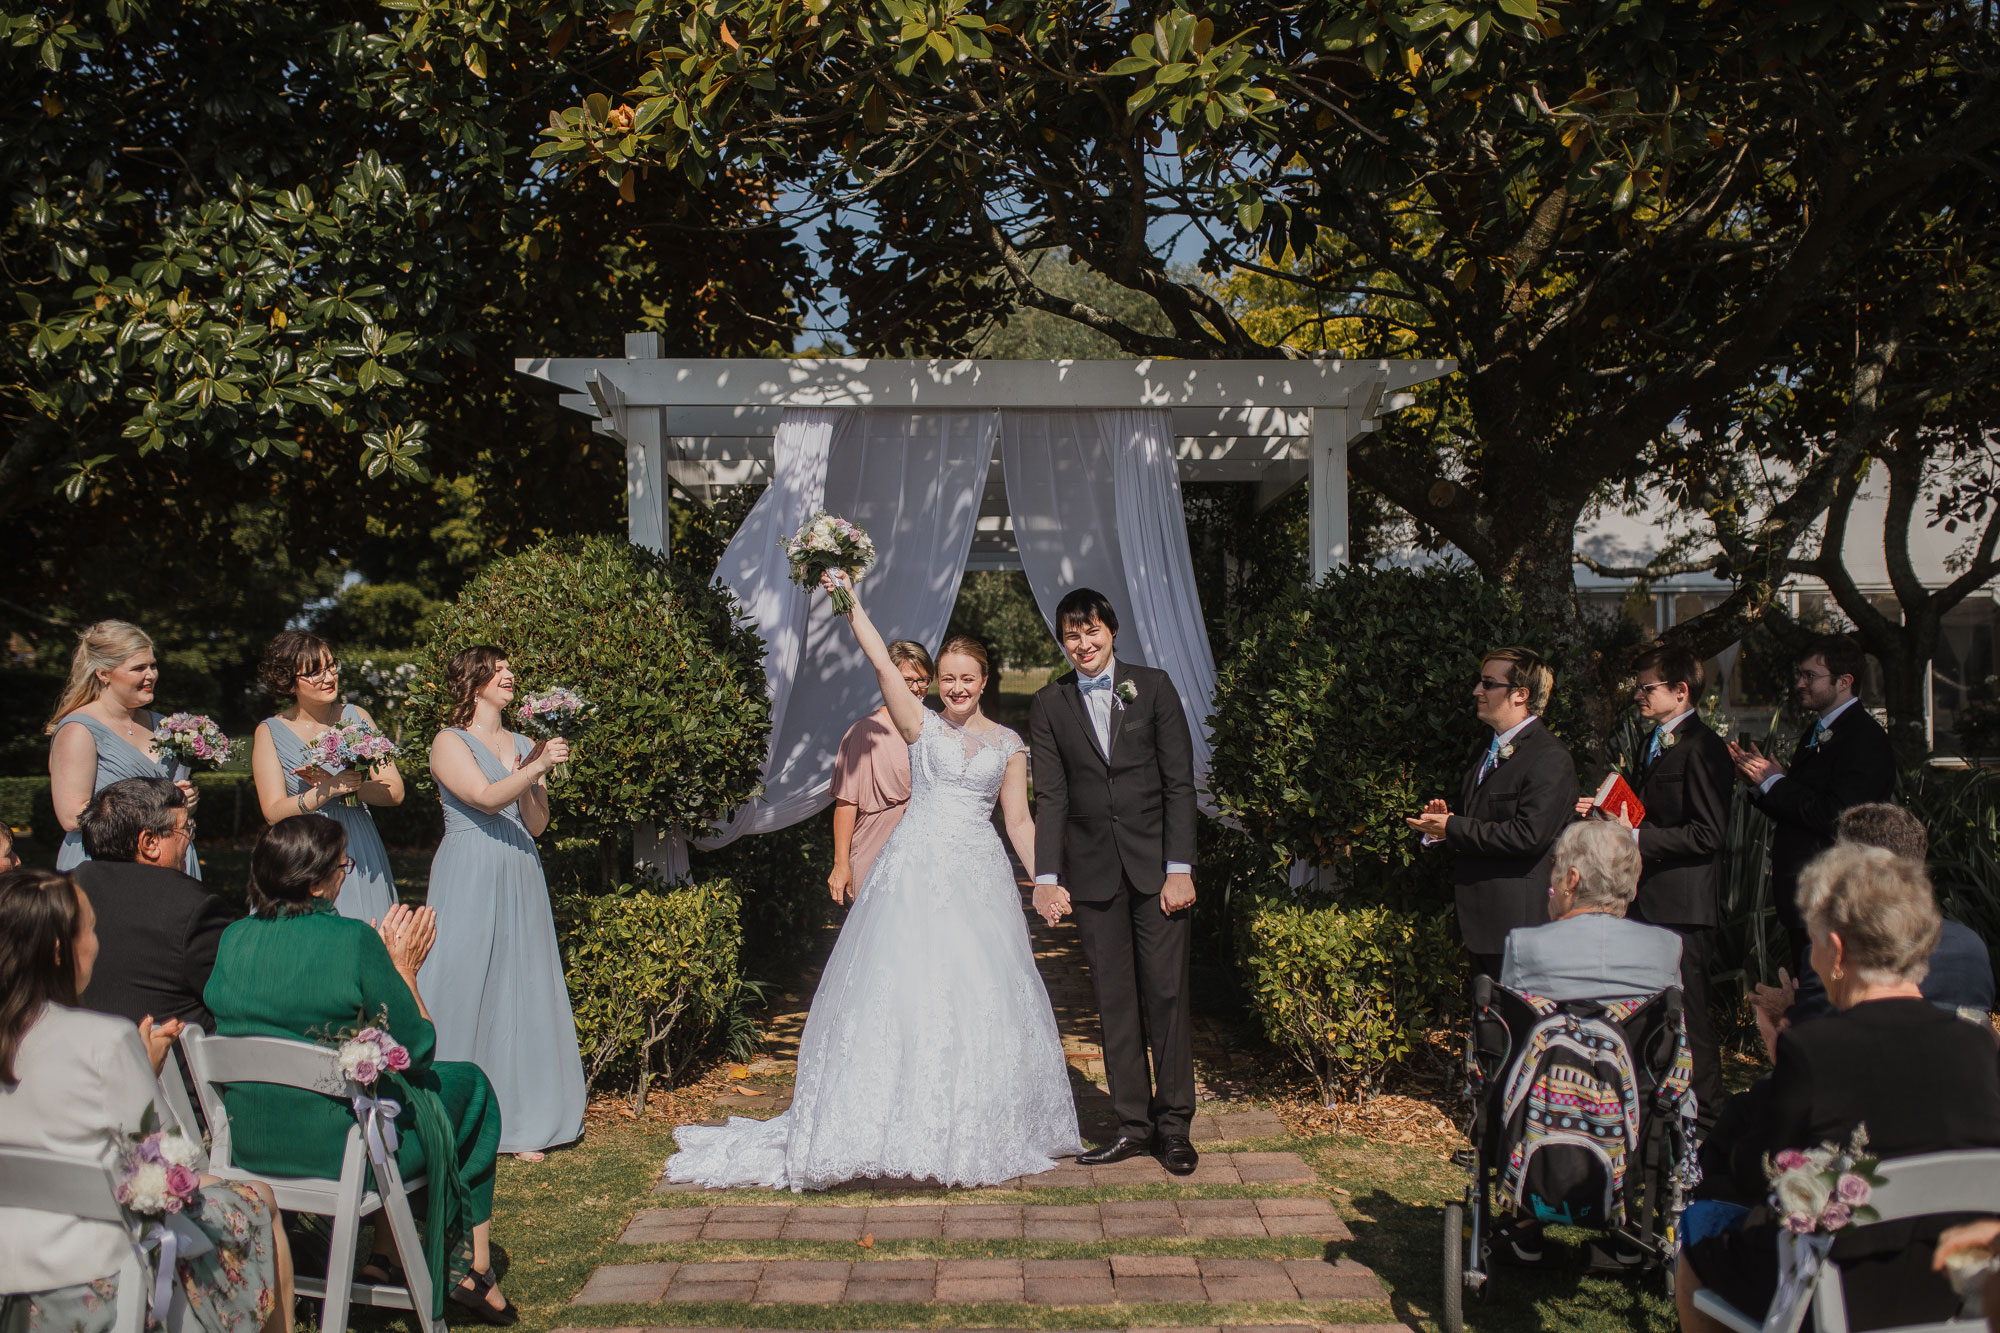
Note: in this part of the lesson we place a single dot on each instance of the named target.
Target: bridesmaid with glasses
(301, 667)
(102, 730)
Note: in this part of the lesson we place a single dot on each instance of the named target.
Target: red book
(1616, 797)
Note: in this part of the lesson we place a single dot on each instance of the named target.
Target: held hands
(1769, 1004)
(344, 783)
(157, 1038)
(1753, 765)
(841, 885)
(1176, 894)
(408, 934)
(1432, 821)
(1051, 902)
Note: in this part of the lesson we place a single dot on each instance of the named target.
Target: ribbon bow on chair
(176, 1237)
(378, 1123)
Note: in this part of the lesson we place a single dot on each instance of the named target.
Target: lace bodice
(956, 773)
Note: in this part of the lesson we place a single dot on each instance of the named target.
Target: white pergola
(707, 424)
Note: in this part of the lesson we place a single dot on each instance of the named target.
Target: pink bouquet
(350, 745)
(193, 739)
(824, 542)
(368, 1053)
(158, 1169)
(557, 712)
(1824, 1189)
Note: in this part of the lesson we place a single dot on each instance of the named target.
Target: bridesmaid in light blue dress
(102, 730)
(494, 979)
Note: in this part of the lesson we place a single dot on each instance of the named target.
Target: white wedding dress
(930, 1051)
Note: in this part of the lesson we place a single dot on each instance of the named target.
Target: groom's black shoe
(1117, 1150)
(1177, 1154)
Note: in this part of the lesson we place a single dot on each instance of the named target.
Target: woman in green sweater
(296, 968)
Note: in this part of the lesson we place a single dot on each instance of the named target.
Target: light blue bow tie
(1086, 684)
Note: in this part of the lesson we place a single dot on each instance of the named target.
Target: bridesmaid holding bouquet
(301, 667)
(102, 731)
(494, 979)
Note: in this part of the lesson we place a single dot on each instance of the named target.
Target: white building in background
(1965, 655)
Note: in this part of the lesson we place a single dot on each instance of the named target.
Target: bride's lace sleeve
(1009, 741)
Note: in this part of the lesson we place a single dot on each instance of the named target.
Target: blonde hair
(102, 647)
(1525, 671)
(1607, 862)
(1880, 904)
(904, 652)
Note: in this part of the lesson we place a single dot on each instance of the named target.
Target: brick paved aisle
(1251, 1238)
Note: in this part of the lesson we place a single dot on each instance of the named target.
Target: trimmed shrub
(682, 720)
(652, 977)
(1349, 706)
(1349, 992)
(781, 877)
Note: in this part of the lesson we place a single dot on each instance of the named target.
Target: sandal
(475, 1300)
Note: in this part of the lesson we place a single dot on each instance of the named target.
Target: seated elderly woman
(80, 1084)
(1919, 1079)
(298, 969)
(1588, 950)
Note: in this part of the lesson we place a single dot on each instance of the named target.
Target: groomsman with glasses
(1518, 794)
(1685, 781)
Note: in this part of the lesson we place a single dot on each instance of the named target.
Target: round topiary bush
(1349, 705)
(682, 718)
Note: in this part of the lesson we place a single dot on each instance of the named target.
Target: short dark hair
(290, 857)
(1080, 606)
(1890, 827)
(294, 653)
(117, 815)
(1673, 664)
(1842, 655)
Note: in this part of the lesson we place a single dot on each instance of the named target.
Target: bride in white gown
(930, 1051)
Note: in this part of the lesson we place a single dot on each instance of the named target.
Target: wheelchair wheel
(1453, 1309)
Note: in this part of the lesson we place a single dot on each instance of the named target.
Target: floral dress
(231, 1289)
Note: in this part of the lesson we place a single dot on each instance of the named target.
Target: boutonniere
(1668, 740)
(1507, 750)
(1125, 692)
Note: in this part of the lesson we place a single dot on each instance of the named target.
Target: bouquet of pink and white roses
(193, 739)
(557, 712)
(1817, 1192)
(824, 542)
(350, 745)
(370, 1051)
(158, 1169)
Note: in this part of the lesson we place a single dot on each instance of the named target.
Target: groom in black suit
(1114, 841)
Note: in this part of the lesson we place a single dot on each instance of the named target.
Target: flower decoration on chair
(366, 1054)
(825, 542)
(158, 1178)
(557, 712)
(193, 739)
(350, 745)
(1817, 1192)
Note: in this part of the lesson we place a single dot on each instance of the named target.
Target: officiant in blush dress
(494, 980)
(871, 780)
(102, 731)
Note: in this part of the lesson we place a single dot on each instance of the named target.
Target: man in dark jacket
(1518, 794)
(157, 928)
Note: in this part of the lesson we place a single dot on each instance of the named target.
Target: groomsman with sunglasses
(1518, 794)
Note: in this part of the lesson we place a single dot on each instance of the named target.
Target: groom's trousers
(1139, 964)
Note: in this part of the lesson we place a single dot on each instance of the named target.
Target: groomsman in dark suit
(1844, 760)
(1518, 794)
(1685, 781)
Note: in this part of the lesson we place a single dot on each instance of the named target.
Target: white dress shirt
(1500, 738)
(82, 1078)
(1825, 720)
(1098, 704)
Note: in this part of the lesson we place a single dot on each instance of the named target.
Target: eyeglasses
(1488, 683)
(330, 669)
(1808, 677)
(346, 865)
(1641, 691)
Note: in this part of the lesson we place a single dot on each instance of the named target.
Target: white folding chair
(346, 1199)
(79, 1187)
(1922, 1186)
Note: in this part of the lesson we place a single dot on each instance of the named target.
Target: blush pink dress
(873, 773)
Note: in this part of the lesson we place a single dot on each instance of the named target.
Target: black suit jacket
(1502, 836)
(1686, 792)
(1853, 766)
(157, 931)
(1099, 819)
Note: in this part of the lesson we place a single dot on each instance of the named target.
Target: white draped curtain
(1096, 502)
(912, 481)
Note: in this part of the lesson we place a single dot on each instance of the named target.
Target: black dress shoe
(1177, 1154)
(1117, 1150)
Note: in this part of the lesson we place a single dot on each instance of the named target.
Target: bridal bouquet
(350, 745)
(825, 542)
(557, 712)
(192, 739)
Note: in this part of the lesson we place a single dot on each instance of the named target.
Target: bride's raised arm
(904, 709)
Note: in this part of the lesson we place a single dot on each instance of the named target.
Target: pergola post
(646, 489)
(1326, 495)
